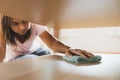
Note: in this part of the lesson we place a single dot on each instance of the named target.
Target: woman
(18, 40)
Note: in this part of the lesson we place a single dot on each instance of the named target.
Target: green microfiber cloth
(80, 59)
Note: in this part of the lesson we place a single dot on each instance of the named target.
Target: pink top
(28, 46)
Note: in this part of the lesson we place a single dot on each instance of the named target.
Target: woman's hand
(71, 52)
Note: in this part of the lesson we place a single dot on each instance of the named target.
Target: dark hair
(7, 33)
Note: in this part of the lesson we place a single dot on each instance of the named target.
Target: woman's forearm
(2, 55)
(59, 47)
(2, 52)
(53, 43)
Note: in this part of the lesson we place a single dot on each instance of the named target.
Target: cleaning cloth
(80, 59)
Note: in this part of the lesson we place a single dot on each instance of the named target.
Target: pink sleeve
(40, 28)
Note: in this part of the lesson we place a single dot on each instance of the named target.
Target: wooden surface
(37, 11)
(52, 67)
(67, 13)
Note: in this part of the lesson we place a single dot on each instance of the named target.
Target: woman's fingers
(80, 52)
(87, 54)
(74, 51)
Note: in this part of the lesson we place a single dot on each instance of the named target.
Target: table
(53, 67)
(65, 13)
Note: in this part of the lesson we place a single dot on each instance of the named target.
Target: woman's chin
(22, 33)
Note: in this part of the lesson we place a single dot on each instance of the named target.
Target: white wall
(93, 39)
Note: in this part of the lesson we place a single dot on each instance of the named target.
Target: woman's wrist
(67, 50)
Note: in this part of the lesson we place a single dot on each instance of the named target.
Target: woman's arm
(2, 46)
(53, 43)
(58, 46)
(2, 51)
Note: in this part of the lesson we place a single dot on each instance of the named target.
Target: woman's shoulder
(37, 25)
(38, 28)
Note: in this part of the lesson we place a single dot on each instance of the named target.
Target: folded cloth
(80, 59)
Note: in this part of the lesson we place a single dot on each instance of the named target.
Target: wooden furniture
(53, 67)
(68, 13)
(60, 14)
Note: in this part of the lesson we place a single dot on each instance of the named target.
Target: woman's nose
(21, 27)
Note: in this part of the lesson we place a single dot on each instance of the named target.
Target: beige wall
(91, 13)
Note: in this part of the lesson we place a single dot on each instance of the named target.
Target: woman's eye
(14, 23)
(18, 23)
(24, 22)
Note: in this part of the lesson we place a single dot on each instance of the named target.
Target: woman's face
(19, 26)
